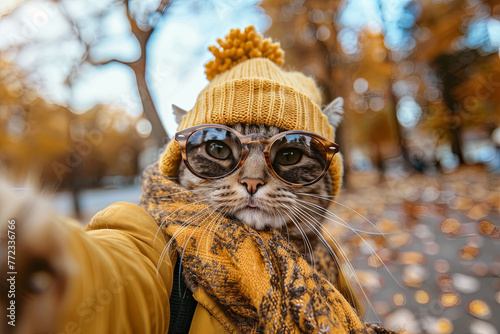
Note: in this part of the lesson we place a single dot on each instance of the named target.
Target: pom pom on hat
(239, 46)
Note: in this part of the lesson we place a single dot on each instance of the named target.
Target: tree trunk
(400, 136)
(456, 143)
(159, 133)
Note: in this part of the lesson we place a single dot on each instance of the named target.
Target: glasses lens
(298, 158)
(213, 152)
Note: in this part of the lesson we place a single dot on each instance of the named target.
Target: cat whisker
(187, 243)
(213, 210)
(311, 222)
(373, 252)
(343, 222)
(202, 215)
(307, 244)
(314, 222)
(329, 199)
(315, 231)
(160, 226)
(301, 214)
(222, 214)
(284, 224)
(169, 243)
(190, 203)
(178, 193)
(208, 228)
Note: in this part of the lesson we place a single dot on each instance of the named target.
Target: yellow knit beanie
(248, 86)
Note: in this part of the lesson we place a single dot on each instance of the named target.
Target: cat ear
(335, 112)
(179, 113)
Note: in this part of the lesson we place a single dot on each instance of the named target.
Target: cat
(269, 203)
(253, 196)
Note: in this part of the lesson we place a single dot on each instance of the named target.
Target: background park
(86, 89)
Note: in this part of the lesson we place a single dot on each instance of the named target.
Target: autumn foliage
(58, 146)
(446, 81)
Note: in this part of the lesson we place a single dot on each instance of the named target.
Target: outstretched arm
(67, 280)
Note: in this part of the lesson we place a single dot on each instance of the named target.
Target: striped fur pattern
(277, 204)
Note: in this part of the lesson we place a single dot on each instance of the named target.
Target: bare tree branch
(114, 60)
(138, 66)
(163, 6)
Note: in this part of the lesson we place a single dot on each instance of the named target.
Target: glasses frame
(330, 147)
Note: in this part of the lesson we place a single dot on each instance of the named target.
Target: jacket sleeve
(122, 275)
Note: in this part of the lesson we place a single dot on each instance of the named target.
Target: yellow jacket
(118, 285)
(117, 282)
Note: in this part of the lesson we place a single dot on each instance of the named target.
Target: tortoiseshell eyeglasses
(297, 158)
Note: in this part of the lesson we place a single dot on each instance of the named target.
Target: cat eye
(288, 156)
(297, 158)
(217, 149)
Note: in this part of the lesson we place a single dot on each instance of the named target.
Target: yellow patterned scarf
(260, 279)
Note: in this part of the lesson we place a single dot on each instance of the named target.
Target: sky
(177, 49)
(6, 6)
(177, 52)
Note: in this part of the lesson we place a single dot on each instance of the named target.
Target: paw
(34, 266)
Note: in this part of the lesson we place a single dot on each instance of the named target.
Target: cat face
(252, 194)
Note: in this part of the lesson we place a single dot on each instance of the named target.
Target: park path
(442, 272)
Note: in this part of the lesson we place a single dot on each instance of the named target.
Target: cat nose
(252, 184)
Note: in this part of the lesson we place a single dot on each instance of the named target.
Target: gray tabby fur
(278, 204)
(335, 112)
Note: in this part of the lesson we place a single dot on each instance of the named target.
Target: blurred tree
(91, 33)
(50, 141)
(33, 131)
(143, 18)
(68, 41)
(469, 96)
(463, 66)
(427, 65)
(308, 31)
(308, 34)
(375, 128)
